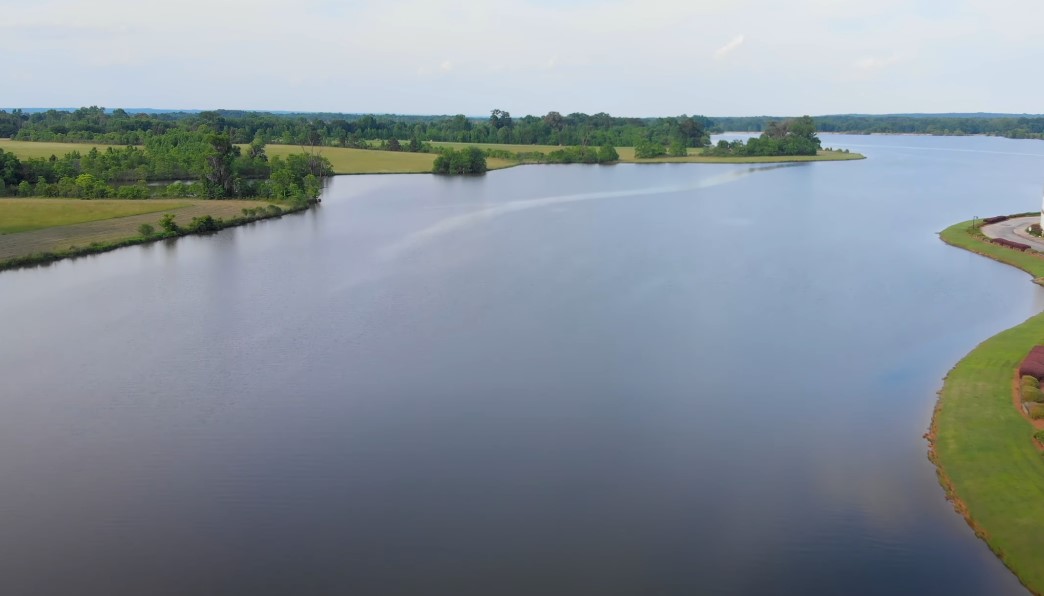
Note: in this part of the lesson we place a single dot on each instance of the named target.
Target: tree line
(202, 163)
(118, 127)
(1012, 127)
(95, 124)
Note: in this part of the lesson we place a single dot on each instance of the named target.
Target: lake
(629, 379)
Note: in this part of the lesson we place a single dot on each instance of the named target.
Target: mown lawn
(23, 215)
(984, 445)
(963, 236)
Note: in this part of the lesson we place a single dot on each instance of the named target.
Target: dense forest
(118, 127)
(358, 130)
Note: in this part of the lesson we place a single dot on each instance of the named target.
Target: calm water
(660, 379)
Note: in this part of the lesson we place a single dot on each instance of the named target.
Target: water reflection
(667, 379)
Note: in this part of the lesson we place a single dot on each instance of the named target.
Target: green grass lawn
(962, 235)
(982, 443)
(23, 215)
(27, 149)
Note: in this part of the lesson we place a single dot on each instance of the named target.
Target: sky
(627, 58)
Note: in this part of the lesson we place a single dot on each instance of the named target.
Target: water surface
(631, 379)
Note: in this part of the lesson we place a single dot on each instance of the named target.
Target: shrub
(469, 160)
(1030, 380)
(1039, 435)
(204, 223)
(1031, 368)
(1036, 411)
(1010, 244)
(167, 223)
(1032, 394)
(146, 230)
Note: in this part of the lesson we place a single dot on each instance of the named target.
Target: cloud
(728, 48)
(446, 66)
(874, 63)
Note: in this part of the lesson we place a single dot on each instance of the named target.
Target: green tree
(677, 148)
(469, 160)
(218, 173)
(607, 154)
(646, 149)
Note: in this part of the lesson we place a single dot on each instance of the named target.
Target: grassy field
(983, 445)
(23, 215)
(27, 149)
(74, 222)
(361, 161)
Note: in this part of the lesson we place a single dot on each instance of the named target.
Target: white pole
(1042, 215)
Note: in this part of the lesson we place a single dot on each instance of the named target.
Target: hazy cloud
(870, 64)
(728, 48)
(470, 56)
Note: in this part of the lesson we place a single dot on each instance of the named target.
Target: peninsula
(987, 450)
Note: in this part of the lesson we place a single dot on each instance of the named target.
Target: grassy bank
(964, 235)
(44, 230)
(982, 446)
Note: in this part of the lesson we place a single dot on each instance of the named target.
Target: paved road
(1015, 230)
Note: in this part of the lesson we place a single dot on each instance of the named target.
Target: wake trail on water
(468, 220)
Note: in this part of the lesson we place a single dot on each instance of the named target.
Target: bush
(146, 230)
(1036, 411)
(1032, 394)
(1031, 368)
(167, 223)
(607, 154)
(204, 223)
(1039, 435)
(1010, 244)
(1030, 380)
(470, 160)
